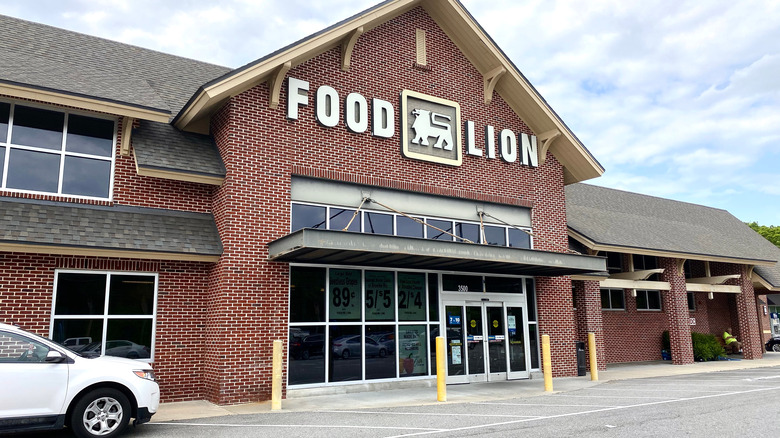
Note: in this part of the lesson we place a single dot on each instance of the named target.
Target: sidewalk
(457, 393)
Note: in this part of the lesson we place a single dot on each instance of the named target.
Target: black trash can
(582, 364)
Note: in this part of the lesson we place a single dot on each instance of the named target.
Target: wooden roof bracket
(489, 81)
(347, 45)
(546, 139)
(275, 84)
(127, 129)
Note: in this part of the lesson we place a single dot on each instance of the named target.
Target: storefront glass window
(380, 296)
(411, 296)
(307, 355)
(433, 297)
(467, 231)
(407, 227)
(435, 234)
(345, 294)
(307, 216)
(339, 218)
(345, 353)
(519, 239)
(378, 223)
(413, 350)
(495, 235)
(509, 285)
(461, 283)
(124, 327)
(380, 352)
(307, 294)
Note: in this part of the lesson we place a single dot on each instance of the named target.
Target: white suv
(47, 386)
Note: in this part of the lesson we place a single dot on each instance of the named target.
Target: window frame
(691, 302)
(611, 291)
(646, 293)
(62, 152)
(426, 229)
(105, 316)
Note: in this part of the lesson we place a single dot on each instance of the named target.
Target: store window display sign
(430, 127)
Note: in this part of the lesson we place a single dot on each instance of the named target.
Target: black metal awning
(348, 248)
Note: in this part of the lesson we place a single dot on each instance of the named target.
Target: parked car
(118, 348)
(307, 346)
(773, 344)
(349, 346)
(48, 386)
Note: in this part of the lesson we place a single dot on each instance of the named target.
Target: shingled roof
(48, 58)
(66, 228)
(615, 220)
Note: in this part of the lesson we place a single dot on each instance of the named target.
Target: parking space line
(652, 390)
(611, 396)
(434, 414)
(614, 408)
(546, 404)
(314, 426)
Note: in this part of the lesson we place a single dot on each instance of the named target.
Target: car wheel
(382, 352)
(132, 355)
(305, 355)
(776, 347)
(345, 354)
(102, 412)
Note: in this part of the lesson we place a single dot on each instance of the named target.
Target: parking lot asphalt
(343, 398)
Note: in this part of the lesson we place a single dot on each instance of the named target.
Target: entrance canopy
(347, 248)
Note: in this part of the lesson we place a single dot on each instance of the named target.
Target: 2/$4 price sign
(345, 295)
(430, 126)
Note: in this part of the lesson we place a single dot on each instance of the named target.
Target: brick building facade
(385, 181)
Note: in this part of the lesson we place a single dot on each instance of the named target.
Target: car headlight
(146, 374)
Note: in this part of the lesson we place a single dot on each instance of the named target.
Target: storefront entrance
(485, 340)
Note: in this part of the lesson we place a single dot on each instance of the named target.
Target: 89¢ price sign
(345, 295)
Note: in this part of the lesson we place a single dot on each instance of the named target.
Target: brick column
(752, 347)
(587, 295)
(675, 302)
(556, 318)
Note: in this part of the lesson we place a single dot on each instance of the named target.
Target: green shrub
(706, 347)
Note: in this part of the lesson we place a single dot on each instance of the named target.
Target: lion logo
(429, 124)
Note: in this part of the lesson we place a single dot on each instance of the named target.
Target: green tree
(770, 233)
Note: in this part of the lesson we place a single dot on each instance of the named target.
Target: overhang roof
(163, 151)
(768, 277)
(347, 248)
(45, 227)
(462, 29)
(613, 220)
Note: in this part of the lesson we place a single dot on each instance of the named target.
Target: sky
(677, 99)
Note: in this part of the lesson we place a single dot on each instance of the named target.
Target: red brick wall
(589, 319)
(261, 149)
(27, 285)
(631, 335)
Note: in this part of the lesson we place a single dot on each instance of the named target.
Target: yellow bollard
(441, 370)
(547, 363)
(276, 377)
(594, 367)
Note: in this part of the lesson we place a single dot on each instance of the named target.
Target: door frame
(484, 300)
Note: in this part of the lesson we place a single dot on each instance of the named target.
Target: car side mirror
(54, 356)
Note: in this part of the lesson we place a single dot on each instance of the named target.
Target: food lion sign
(430, 126)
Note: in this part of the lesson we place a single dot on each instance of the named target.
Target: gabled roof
(462, 29)
(45, 227)
(59, 66)
(768, 277)
(613, 220)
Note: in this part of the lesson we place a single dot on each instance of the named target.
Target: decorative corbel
(546, 139)
(347, 45)
(275, 84)
(680, 265)
(127, 129)
(750, 272)
(490, 79)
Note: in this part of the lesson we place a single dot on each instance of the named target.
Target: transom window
(648, 300)
(612, 299)
(55, 152)
(106, 313)
(391, 224)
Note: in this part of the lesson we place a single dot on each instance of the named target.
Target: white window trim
(105, 316)
(615, 309)
(6, 143)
